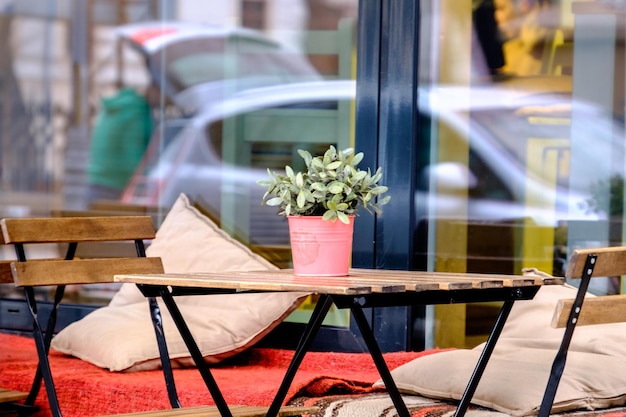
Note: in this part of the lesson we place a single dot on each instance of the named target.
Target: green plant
(331, 186)
(607, 196)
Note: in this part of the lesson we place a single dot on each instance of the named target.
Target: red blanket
(250, 378)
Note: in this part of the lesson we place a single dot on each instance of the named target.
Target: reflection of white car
(498, 181)
(192, 162)
(519, 152)
(196, 63)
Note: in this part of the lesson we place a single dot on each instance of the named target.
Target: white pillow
(514, 382)
(188, 241)
(517, 373)
(120, 337)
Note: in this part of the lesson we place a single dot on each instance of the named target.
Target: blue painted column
(387, 131)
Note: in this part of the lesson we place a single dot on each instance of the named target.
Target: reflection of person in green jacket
(118, 142)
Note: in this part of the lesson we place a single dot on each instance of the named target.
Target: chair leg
(558, 365)
(52, 320)
(42, 352)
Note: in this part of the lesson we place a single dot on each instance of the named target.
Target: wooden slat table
(362, 288)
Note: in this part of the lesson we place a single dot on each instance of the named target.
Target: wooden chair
(585, 264)
(32, 273)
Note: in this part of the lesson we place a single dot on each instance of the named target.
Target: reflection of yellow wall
(547, 158)
(451, 237)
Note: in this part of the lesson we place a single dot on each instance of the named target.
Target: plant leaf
(343, 217)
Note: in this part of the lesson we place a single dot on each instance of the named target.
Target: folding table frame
(387, 294)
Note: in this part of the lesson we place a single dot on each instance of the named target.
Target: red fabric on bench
(251, 378)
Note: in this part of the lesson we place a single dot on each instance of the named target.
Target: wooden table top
(359, 281)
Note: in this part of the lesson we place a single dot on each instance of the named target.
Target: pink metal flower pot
(320, 247)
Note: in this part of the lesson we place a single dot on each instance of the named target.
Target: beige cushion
(188, 241)
(516, 376)
(120, 336)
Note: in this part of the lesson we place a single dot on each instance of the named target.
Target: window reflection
(530, 137)
(233, 88)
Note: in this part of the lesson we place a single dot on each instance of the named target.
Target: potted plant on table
(320, 204)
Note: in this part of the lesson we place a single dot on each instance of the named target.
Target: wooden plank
(226, 281)
(445, 281)
(595, 310)
(6, 276)
(80, 271)
(7, 395)
(212, 411)
(419, 280)
(478, 280)
(76, 229)
(360, 281)
(408, 280)
(377, 280)
(269, 277)
(611, 261)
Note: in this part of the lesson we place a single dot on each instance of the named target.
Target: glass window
(154, 99)
(521, 110)
(524, 102)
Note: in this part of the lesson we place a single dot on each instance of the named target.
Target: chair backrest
(72, 231)
(596, 262)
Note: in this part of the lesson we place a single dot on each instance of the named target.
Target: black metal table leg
(206, 374)
(484, 358)
(319, 313)
(379, 361)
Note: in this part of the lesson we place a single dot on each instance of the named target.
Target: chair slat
(596, 310)
(611, 262)
(76, 229)
(80, 271)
